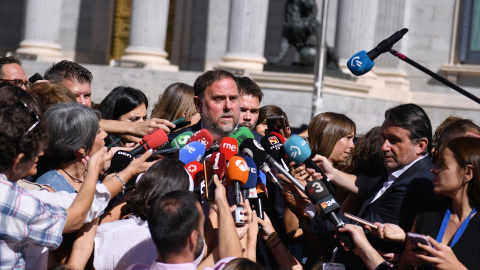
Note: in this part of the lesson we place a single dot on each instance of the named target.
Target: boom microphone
(154, 139)
(362, 62)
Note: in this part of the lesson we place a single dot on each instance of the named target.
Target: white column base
(235, 61)
(45, 52)
(156, 60)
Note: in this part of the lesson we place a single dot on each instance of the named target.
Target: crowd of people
(83, 187)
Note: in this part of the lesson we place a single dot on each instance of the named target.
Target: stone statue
(301, 29)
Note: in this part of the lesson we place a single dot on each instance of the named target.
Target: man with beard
(250, 97)
(217, 101)
(176, 223)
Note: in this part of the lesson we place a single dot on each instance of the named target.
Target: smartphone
(418, 238)
(332, 266)
(276, 124)
(179, 120)
(360, 220)
(209, 183)
(180, 125)
(166, 152)
(35, 77)
(237, 216)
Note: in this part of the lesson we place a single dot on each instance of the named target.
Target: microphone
(120, 161)
(317, 192)
(251, 148)
(219, 163)
(237, 173)
(241, 134)
(261, 188)
(362, 62)
(182, 139)
(229, 147)
(154, 139)
(202, 136)
(299, 151)
(195, 169)
(248, 189)
(190, 152)
(273, 145)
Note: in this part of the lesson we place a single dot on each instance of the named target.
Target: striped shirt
(24, 219)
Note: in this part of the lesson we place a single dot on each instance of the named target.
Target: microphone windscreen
(262, 178)
(261, 188)
(237, 170)
(182, 139)
(229, 147)
(195, 169)
(297, 149)
(273, 146)
(360, 63)
(279, 136)
(251, 148)
(219, 164)
(120, 161)
(190, 152)
(241, 134)
(252, 175)
(203, 136)
(318, 193)
(154, 139)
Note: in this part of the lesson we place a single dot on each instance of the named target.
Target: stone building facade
(149, 44)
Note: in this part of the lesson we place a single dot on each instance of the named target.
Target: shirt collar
(396, 174)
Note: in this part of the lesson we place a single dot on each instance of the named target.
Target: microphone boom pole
(435, 75)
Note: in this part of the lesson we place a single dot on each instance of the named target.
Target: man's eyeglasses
(16, 82)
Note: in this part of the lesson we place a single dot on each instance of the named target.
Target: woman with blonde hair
(175, 102)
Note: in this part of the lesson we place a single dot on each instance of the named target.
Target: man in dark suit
(398, 197)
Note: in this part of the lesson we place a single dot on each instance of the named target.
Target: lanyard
(460, 230)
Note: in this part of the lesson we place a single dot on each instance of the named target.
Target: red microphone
(229, 147)
(219, 163)
(152, 140)
(279, 136)
(202, 136)
(237, 174)
(195, 169)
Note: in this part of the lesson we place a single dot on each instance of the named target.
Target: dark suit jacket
(408, 195)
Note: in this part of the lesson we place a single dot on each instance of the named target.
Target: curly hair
(19, 134)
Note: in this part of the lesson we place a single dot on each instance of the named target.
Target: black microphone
(318, 193)
(120, 161)
(251, 148)
(386, 44)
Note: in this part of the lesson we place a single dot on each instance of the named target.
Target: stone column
(246, 37)
(42, 30)
(148, 30)
(355, 27)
